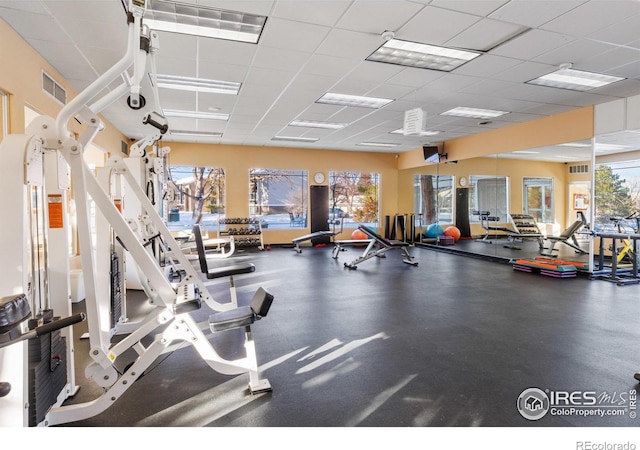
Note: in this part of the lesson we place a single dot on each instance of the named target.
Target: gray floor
(451, 342)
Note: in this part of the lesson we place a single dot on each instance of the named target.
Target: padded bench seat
(13, 310)
(227, 271)
(244, 315)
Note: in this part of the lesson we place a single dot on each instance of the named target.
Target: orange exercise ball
(453, 232)
(359, 235)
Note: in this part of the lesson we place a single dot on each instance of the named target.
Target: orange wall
(21, 78)
(237, 160)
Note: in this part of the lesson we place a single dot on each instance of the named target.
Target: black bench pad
(227, 271)
(13, 310)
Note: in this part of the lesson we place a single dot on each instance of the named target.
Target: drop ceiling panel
(292, 35)
(329, 65)
(325, 12)
(487, 66)
(534, 13)
(592, 16)
(477, 7)
(225, 52)
(531, 44)
(485, 35)
(576, 52)
(360, 45)
(278, 58)
(376, 17)
(436, 26)
(223, 72)
(34, 26)
(414, 77)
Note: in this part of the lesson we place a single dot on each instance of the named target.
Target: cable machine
(170, 322)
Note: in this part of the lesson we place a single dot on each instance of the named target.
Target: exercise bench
(307, 237)
(565, 236)
(378, 246)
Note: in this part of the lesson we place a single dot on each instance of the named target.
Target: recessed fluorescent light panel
(197, 84)
(576, 80)
(422, 133)
(203, 21)
(377, 144)
(422, 56)
(318, 124)
(474, 113)
(195, 115)
(293, 139)
(195, 133)
(331, 98)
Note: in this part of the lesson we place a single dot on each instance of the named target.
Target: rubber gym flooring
(451, 342)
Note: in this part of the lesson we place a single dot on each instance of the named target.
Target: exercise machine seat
(13, 310)
(244, 315)
(218, 272)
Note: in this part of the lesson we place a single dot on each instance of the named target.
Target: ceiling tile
(377, 16)
(485, 35)
(287, 34)
(319, 12)
(531, 44)
(435, 26)
(534, 13)
(361, 45)
(477, 7)
(592, 16)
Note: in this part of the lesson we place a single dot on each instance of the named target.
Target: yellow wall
(570, 126)
(237, 160)
(21, 78)
(516, 170)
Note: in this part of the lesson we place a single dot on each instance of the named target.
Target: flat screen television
(433, 152)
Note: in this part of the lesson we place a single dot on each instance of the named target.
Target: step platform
(549, 267)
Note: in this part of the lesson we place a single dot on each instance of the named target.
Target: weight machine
(169, 323)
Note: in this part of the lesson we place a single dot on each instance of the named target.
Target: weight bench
(378, 246)
(308, 237)
(565, 236)
(485, 219)
(338, 245)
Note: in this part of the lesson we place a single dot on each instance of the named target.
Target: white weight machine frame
(170, 317)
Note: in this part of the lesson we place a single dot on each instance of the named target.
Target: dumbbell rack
(247, 235)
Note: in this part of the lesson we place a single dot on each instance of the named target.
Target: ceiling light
(475, 113)
(421, 133)
(318, 124)
(203, 21)
(332, 98)
(195, 115)
(195, 133)
(293, 139)
(198, 84)
(574, 144)
(577, 80)
(609, 147)
(377, 144)
(423, 56)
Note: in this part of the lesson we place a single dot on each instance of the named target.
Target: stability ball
(359, 235)
(453, 232)
(434, 230)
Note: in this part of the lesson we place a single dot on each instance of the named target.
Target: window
(538, 198)
(279, 197)
(194, 195)
(433, 198)
(489, 193)
(355, 197)
(617, 195)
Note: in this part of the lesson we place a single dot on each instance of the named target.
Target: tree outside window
(354, 197)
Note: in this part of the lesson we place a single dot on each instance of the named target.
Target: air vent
(53, 88)
(581, 168)
(124, 148)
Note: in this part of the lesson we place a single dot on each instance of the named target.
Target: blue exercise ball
(434, 230)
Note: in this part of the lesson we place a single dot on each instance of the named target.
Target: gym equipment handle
(58, 324)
